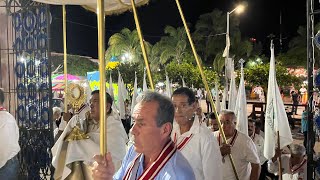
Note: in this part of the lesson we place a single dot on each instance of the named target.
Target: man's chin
(137, 149)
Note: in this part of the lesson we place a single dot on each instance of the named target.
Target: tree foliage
(127, 71)
(190, 73)
(210, 31)
(259, 75)
(173, 47)
(126, 42)
(297, 53)
(76, 65)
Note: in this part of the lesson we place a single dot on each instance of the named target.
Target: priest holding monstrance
(79, 142)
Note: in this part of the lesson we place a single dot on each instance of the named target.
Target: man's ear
(194, 106)
(166, 129)
(108, 107)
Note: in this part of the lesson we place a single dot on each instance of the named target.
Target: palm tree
(173, 47)
(240, 48)
(210, 30)
(125, 45)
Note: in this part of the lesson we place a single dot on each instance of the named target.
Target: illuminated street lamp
(239, 9)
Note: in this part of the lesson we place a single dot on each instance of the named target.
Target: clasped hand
(103, 167)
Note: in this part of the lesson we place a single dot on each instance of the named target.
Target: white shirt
(201, 151)
(297, 172)
(261, 133)
(84, 150)
(259, 142)
(9, 137)
(243, 152)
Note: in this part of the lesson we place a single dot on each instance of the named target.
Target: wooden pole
(279, 158)
(204, 80)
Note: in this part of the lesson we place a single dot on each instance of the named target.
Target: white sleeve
(116, 141)
(62, 125)
(251, 152)
(273, 167)
(211, 158)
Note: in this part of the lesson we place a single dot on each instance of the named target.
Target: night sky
(260, 19)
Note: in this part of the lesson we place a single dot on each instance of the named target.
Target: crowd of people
(170, 138)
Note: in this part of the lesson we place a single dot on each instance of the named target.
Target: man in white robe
(193, 140)
(67, 152)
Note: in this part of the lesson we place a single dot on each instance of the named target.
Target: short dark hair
(165, 112)
(108, 98)
(187, 92)
(252, 121)
(258, 124)
(212, 116)
(1, 96)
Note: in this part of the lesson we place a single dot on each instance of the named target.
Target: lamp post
(239, 9)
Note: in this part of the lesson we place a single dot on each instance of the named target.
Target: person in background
(304, 94)
(259, 142)
(193, 140)
(241, 147)
(304, 129)
(294, 165)
(209, 107)
(259, 127)
(9, 138)
(201, 116)
(56, 116)
(214, 123)
(65, 118)
(295, 102)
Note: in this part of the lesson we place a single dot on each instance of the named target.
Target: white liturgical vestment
(84, 150)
